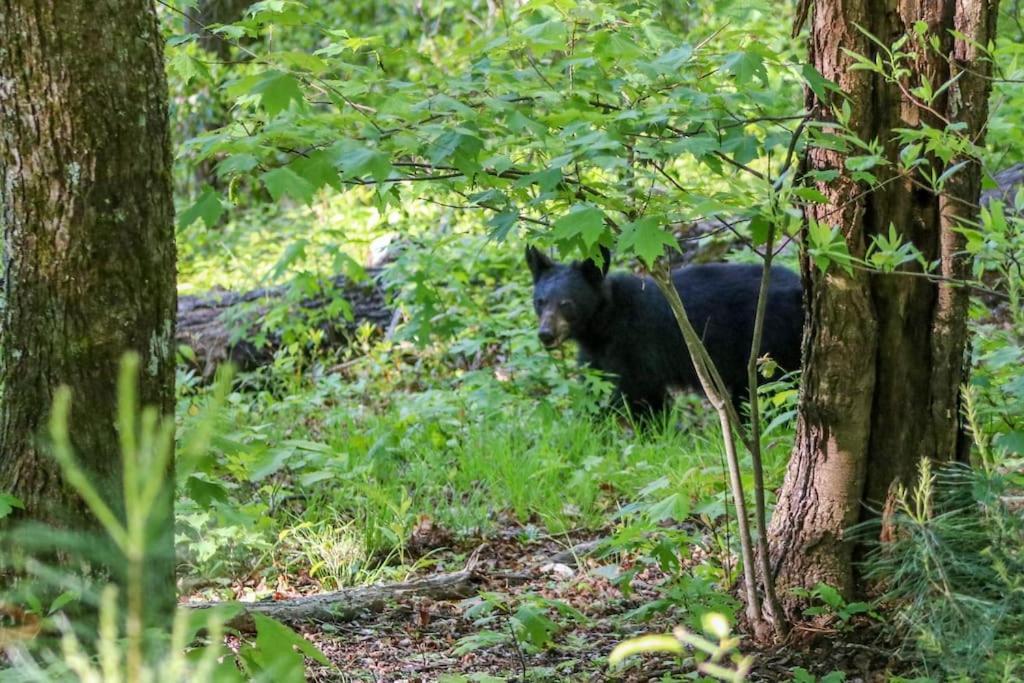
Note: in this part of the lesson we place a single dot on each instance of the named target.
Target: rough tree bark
(89, 254)
(883, 354)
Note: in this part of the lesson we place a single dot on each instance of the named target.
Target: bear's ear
(538, 262)
(591, 271)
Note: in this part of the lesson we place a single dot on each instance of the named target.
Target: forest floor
(417, 640)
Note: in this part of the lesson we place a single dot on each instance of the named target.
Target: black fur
(624, 326)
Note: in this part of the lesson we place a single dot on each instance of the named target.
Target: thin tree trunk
(211, 13)
(89, 256)
(883, 353)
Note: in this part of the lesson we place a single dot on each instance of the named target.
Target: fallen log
(351, 603)
(219, 326)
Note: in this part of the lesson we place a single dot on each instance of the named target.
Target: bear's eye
(539, 302)
(567, 306)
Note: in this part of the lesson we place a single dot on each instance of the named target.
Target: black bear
(624, 325)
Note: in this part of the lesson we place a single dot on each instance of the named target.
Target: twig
(718, 396)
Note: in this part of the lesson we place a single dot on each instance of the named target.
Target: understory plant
(128, 644)
(952, 566)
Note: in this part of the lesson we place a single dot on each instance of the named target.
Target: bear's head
(566, 297)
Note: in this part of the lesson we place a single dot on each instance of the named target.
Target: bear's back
(645, 347)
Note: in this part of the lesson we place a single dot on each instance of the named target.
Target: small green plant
(719, 658)
(8, 504)
(802, 675)
(530, 621)
(953, 570)
(125, 647)
(830, 602)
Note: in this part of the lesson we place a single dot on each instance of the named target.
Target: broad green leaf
(647, 239)
(583, 221)
(355, 160)
(285, 181)
(8, 503)
(811, 194)
(545, 36)
(278, 652)
(1013, 442)
(236, 163)
(759, 227)
(457, 149)
(208, 207)
(547, 180)
(745, 65)
(829, 595)
(277, 90)
(536, 625)
(501, 224)
(318, 168)
(301, 60)
(674, 506)
(864, 162)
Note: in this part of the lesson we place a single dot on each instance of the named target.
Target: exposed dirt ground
(416, 640)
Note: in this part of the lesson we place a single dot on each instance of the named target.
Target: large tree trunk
(883, 354)
(89, 255)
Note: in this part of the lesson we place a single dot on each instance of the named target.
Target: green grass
(463, 418)
(469, 456)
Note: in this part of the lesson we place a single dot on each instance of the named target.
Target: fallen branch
(219, 326)
(351, 603)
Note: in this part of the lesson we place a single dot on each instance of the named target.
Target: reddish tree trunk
(883, 354)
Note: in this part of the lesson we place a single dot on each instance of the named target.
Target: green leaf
(647, 239)
(674, 506)
(584, 221)
(319, 169)
(478, 641)
(8, 503)
(829, 595)
(1013, 442)
(501, 224)
(644, 644)
(818, 84)
(864, 162)
(205, 493)
(811, 194)
(278, 652)
(208, 207)
(285, 181)
(277, 90)
(536, 625)
(547, 180)
(61, 600)
(759, 227)
(458, 149)
(355, 160)
(236, 163)
(745, 65)
(300, 60)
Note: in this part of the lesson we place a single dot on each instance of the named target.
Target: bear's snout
(553, 329)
